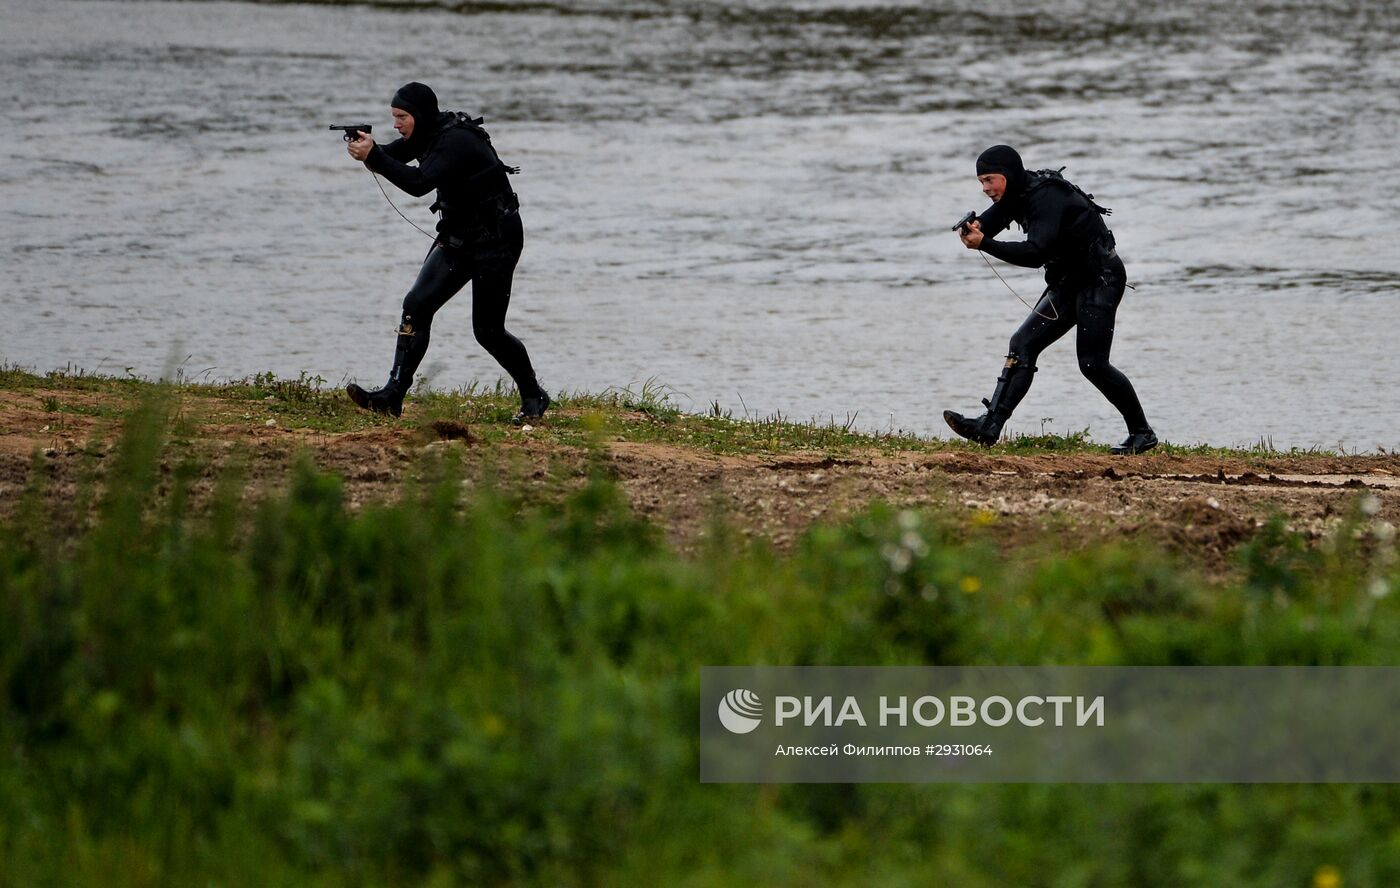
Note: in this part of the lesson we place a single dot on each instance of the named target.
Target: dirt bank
(1201, 506)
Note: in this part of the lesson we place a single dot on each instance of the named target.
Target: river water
(747, 203)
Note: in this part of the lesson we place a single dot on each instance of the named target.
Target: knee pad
(1018, 359)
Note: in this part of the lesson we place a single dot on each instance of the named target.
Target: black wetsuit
(1084, 284)
(479, 240)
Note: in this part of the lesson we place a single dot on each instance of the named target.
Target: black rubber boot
(1012, 385)
(984, 430)
(387, 401)
(407, 354)
(1137, 442)
(532, 408)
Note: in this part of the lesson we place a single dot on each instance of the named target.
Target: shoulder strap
(1044, 177)
(473, 125)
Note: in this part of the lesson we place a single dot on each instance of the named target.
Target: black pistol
(965, 221)
(352, 130)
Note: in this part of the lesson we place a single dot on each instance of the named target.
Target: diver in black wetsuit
(1084, 280)
(479, 239)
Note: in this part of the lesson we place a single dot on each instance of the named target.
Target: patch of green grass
(102, 411)
(1074, 442)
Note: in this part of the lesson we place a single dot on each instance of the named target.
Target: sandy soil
(1202, 507)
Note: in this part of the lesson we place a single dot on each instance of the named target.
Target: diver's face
(403, 122)
(993, 185)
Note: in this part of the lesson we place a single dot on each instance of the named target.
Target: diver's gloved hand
(361, 147)
(971, 235)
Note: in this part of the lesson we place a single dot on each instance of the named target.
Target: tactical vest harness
(499, 202)
(1039, 178)
(1087, 239)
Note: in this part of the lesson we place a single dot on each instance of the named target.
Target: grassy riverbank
(340, 650)
(639, 413)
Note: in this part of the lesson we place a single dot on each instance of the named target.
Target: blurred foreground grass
(469, 687)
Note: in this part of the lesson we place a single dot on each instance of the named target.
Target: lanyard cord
(396, 209)
(1056, 316)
